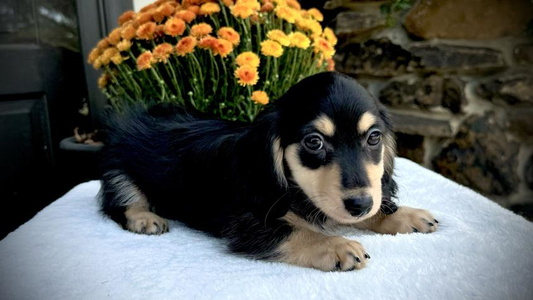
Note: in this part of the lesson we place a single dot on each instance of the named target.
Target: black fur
(219, 176)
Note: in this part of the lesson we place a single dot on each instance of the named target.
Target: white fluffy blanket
(70, 251)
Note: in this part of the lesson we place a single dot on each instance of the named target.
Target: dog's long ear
(388, 185)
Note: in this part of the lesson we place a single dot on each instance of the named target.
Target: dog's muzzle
(358, 206)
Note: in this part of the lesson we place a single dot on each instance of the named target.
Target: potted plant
(227, 59)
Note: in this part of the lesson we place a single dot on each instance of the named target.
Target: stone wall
(457, 76)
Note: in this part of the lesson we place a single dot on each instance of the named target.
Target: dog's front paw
(326, 253)
(146, 222)
(406, 220)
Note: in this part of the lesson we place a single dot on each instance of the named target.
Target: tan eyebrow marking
(365, 122)
(325, 125)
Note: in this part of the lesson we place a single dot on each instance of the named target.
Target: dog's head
(336, 144)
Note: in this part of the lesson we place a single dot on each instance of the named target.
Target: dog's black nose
(358, 206)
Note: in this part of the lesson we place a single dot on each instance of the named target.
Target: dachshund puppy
(320, 157)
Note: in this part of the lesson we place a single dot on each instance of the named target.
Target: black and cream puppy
(318, 158)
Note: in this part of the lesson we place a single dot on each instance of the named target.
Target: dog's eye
(374, 138)
(313, 142)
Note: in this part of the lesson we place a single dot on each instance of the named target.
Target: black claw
(367, 256)
(415, 230)
(431, 224)
(338, 265)
(357, 259)
(350, 269)
(435, 220)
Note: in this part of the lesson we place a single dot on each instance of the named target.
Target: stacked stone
(457, 76)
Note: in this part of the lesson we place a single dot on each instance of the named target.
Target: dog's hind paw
(326, 253)
(146, 222)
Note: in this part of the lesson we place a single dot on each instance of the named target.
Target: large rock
(459, 59)
(430, 92)
(514, 86)
(520, 121)
(355, 25)
(415, 123)
(378, 57)
(481, 156)
(523, 54)
(468, 19)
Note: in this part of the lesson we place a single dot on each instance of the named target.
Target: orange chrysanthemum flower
(93, 55)
(206, 42)
(185, 46)
(323, 46)
(162, 52)
(299, 40)
(114, 37)
(271, 48)
(279, 36)
(103, 44)
(175, 26)
(125, 17)
(103, 80)
(230, 35)
(267, 7)
(248, 59)
(228, 3)
(209, 8)
(117, 59)
(124, 45)
(97, 64)
(163, 11)
(144, 61)
(186, 15)
(260, 97)
(221, 47)
(201, 29)
(246, 75)
(142, 18)
(128, 32)
(195, 9)
(108, 54)
(146, 31)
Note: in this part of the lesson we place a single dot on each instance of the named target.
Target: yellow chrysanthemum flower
(271, 48)
(330, 36)
(247, 75)
(242, 11)
(209, 8)
(174, 26)
(124, 45)
(103, 80)
(315, 14)
(201, 29)
(299, 40)
(260, 97)
(323, 46)
(279, 36)
(287, 13)
(310, 25)
(248, 58)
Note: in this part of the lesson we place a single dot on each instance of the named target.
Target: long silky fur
(224, 178)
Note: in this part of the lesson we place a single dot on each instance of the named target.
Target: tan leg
(141, 220)
(404, 220)
(308, 248)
